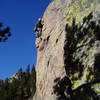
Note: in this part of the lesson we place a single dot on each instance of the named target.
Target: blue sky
(19, 50)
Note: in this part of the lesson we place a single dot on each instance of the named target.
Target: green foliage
(33, 79)
(19, 87)
(4, 33)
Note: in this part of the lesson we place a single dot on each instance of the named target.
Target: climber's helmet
(39, 19)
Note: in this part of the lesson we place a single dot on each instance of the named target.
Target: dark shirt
(38, 25)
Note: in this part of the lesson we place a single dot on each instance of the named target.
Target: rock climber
(38, 27)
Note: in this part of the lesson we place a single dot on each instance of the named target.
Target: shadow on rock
(74, 35)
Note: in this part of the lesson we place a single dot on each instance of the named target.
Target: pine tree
(4, 33)
(28, 80)
(20, 74)
(6, 88)
(13, 89)
(20, 88)
(28, 72)
(33, 80)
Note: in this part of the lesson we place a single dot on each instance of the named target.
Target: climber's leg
(37, 34)
(39, 31)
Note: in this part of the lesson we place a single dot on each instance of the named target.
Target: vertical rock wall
(51, 52)
(50, 63)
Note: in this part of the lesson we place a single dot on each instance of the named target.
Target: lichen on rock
(82, 57)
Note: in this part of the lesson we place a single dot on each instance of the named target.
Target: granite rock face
(68, 51)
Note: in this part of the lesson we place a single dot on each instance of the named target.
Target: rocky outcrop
(68, 51)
